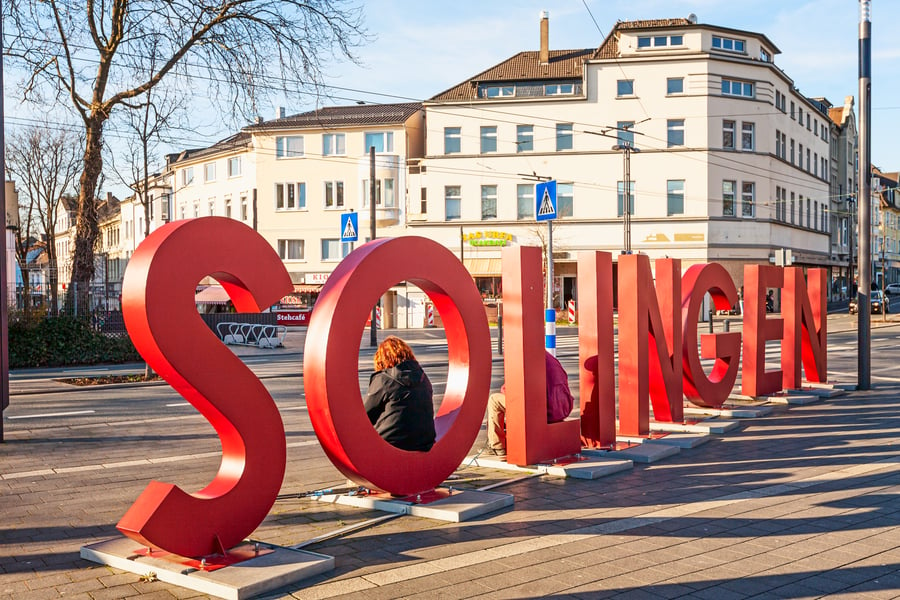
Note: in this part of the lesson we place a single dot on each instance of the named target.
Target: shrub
(64, 340)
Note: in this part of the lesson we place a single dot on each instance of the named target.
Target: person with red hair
(399, 399)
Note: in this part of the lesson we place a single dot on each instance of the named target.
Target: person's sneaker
(495, 452)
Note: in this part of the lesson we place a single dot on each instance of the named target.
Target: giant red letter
(331, 372)
(805, 326)
(596, 350)
(709, 391)
(529, 437)
(755, 380)
(159, 311)
(649, 315)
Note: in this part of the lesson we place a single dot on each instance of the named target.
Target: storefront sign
(487, 238)
(316, 278)
(292, 318)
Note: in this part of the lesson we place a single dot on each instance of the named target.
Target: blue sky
(423, 48)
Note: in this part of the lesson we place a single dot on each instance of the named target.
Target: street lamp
(626, 149)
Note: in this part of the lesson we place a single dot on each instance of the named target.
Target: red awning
(214, 294)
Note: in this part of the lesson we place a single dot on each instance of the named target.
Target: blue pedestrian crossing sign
(349, 227)
(545, 201)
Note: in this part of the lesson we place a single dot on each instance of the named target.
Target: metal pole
(850, 227)
(373, 334)
(884, 299)
(626, 199)
(550, 264)
(864, 178)
(4, 305)
(461, 245)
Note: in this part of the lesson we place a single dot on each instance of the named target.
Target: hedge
(64, 340)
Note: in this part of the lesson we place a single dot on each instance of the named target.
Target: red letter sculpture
(755, 380)
(649, 316)
(596, 350)
(331, 372)
(805, 331)
(529, 438)
(711, 391)
(162, 320)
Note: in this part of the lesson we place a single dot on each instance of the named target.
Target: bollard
(727, 325)
(711, 313)
(500, 335)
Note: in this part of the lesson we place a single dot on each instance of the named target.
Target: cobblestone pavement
(804, 502)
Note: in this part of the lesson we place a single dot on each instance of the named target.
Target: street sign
(545, 200)
(349, 227)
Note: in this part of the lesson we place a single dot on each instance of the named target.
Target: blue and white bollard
(550, 330)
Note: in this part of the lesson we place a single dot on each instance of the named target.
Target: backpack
(559, 398)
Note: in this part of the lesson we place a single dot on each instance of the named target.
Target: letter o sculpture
(331, 372)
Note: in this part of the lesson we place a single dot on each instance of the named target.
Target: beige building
(844, 167)
(729, 162)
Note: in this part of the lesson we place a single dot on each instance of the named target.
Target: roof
(343, 116)
(610, 46)
(234, 142)
(524, 66)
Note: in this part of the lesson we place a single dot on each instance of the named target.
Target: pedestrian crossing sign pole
(349, 227)
(545, 210)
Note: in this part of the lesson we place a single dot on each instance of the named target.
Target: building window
(334, 194)
(452, 201)
(187, 176)
(807, 214)
(559, 89)
(524, 138)
(807, 160)
(675, 197)
(792, 208)
(196, 211)
(816, 164)
(624, 134)
(800, 210)
(748, 195)
(498, 91)
(488, 139)
(209, 172)
(675, 132)
(675, 85)
(747, 131)
(732, 87)
(563, 136)
(211, 207)
(423, 201)
(384, 193)
(728, 198)
(764, 55)
(792, 150)
(245, 209)
(288, 146)
(625, 87)
(290, 196)
(488, 202)
(334, 144)
(783, 145)
(525, 201)
(452, 140)
(291, 249)
(777, 143)
(334, 249)
(228, 207)
(234, 166)
(731, 44)
(728, 135)
(620, 186)
(382, 141)
(565, 199)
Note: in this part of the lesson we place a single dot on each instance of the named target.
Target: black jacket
(399, 405)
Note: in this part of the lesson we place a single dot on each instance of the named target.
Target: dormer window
(730, 44)
(764, 55)
(659, 41)
(559, 89)
(498, 91)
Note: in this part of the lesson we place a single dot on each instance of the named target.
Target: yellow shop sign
(487, 238)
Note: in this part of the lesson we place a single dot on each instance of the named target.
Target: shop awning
(307, 288)
(483, 267)
(214, 294)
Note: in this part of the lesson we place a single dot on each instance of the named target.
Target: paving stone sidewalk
(804, 502)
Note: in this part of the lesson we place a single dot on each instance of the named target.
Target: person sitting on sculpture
(559, 405)
(399, 398)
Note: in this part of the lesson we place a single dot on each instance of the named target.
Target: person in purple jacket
(559, 405)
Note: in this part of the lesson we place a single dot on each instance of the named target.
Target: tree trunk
(86, 226)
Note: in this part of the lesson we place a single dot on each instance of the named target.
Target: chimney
(545, 37)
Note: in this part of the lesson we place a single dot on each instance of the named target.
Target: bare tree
(94, 55)
(46, 164)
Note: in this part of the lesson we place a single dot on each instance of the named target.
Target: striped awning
(214, 294)
(483, 267)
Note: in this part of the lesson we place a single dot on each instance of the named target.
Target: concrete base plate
(681, 440)
(847, 387)
(591, 465)
(645, 453)
(705, 426)
(795, 399)
(455, 506)
(730, 411)
(235, 582)
(817, 391)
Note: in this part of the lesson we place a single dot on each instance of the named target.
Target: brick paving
(804, 502)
